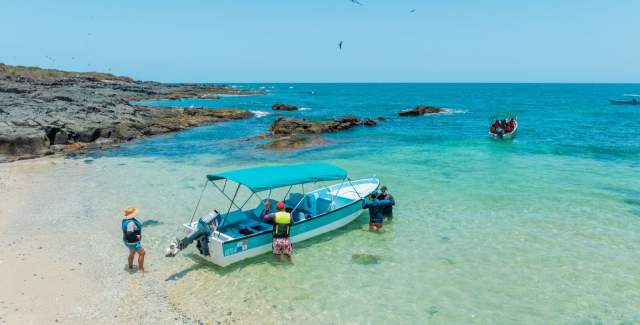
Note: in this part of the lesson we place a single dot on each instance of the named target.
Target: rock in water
(365, 259)
(421, 110)
(288, 126)
(293, 142)
(284, 107)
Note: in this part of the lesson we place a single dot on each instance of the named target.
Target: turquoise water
(541, 229)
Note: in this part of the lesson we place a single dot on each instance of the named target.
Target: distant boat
(504, 125)
(630, 100)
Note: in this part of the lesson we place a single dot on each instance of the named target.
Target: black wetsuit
(387, 210)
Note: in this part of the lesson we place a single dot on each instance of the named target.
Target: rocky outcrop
(421, 110)
(48, 111)
(284, 107)
(292, 133)
(288, 126)
(293, 142)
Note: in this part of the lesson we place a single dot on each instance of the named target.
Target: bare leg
(131, 255)
(141, 254)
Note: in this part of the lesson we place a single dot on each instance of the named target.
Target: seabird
(340, 45)
(357, 2)
(412, 10)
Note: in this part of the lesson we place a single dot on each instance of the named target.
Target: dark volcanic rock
(287, 126)
(294, 142)
(45, 111)
(284, 107)
(421, 110)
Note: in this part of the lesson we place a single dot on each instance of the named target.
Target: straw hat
(130, 212)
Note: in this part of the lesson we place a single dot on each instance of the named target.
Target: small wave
(305, 108)
(260, 114)
(451, 111)
(290, 87)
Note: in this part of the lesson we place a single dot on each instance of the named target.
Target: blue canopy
(268, 177)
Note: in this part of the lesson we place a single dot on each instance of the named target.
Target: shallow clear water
(542, 229)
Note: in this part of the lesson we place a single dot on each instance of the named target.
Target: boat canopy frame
(503, 115)
(267, 178)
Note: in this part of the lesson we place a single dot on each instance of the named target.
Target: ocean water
(541, 229)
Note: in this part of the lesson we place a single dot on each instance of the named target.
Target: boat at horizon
(634, 100)
(238, 234)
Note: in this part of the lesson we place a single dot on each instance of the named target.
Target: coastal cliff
(45, 111)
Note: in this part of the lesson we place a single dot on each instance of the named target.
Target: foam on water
(260, 114)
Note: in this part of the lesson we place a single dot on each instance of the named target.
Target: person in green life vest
(132, 237)
(281, 244)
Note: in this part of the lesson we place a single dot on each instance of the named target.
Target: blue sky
(296, 40)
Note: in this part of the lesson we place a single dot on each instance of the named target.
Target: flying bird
(340, 45)
(412, 10)
(357, 2)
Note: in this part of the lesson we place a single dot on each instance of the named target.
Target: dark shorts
(281, 246)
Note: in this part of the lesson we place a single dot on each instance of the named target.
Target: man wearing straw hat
(132, 236)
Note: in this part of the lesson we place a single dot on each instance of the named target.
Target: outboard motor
(201, 234)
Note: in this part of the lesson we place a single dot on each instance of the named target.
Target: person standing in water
(132, 237)
(375, 207)
(387, 211)
(281, 245)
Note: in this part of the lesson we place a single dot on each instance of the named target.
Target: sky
(297, 40)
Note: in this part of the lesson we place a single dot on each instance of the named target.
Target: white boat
(502, 119)
(238, 234)
(630, 100)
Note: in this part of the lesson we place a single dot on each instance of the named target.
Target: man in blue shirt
(376, 207)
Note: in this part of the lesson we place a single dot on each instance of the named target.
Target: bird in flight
(412, 10)
(357, 2)
(340, 45)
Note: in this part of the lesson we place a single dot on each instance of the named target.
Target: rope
(200, 199)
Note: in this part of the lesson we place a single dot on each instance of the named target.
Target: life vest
(282, 224)
(131, 229)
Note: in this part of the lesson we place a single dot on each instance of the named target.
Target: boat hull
(224, 253)
(623, 102)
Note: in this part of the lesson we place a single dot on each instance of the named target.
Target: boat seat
(322, 205)
(293, 200)
(234, 217)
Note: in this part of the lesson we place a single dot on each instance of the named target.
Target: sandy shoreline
(63, 259)
(50, 268)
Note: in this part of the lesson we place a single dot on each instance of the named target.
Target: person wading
(387, 211)
(281, 244)
(375, 207)
(132, 236)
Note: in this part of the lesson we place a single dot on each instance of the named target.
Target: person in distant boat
(508, 125)
(495, 126)
(281, 245)
(375, 207)
(387, 211)
(633, 100)
(132, 237)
